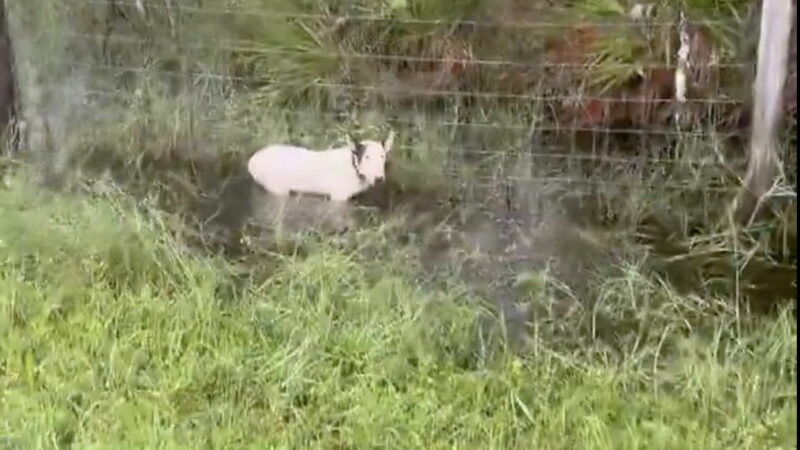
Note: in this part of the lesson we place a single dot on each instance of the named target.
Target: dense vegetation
(117, 335)
(517, 286)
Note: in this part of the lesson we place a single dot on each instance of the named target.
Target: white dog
(339, 173)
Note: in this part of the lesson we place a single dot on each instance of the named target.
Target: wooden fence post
(773, 57)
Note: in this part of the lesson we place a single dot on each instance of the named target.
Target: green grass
(116, 335)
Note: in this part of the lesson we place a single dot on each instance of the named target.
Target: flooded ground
(496, 237)
(508, 230)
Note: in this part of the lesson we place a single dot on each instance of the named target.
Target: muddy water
(490, 236)
(487, 235)
(486, 246)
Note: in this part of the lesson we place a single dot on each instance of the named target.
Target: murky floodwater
(489, 236)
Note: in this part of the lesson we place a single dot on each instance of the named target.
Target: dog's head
(369, 158)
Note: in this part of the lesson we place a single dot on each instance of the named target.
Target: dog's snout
(380, 179)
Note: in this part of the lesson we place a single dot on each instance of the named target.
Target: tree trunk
(7, 82)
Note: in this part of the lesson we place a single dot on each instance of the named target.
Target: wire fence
(446, 83)
(275, 14)
(248, 47)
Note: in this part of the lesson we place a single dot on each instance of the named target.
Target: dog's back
(282, 169)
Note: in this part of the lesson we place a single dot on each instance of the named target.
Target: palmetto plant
(311, 41)
(306, 41)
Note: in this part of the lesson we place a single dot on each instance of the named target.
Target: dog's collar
(354, 160)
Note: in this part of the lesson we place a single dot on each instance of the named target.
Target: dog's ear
(388, 142)
(358, 147)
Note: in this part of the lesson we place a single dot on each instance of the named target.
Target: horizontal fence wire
(284, 15)
(384, 90)
(246, 47)
(704, 186)
(486, 125)
(543, 152)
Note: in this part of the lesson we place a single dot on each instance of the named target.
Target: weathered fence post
(7, 82)
(773, 57)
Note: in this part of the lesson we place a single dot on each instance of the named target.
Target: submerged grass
(115, 335)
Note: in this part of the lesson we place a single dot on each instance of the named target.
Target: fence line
(604, 182)
(542, 150)
(500, 95)
(446, 124)
(244, 47)
(424, 92)
(712, 159)
(408, 21)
